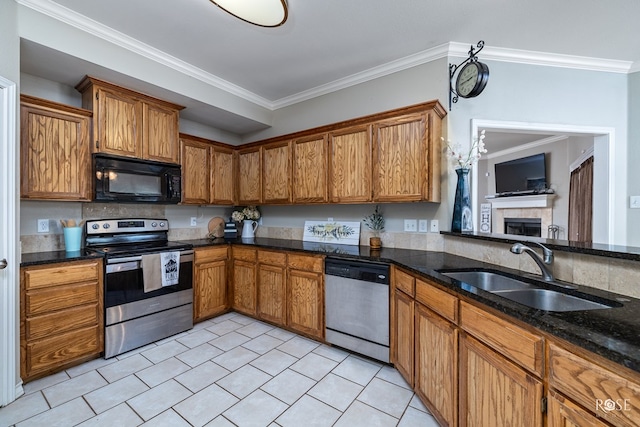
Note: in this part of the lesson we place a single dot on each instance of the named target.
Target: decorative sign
(485, 218)
(344, 233)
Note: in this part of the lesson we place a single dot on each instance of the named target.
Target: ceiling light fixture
(265, 13)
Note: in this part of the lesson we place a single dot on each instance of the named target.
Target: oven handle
(185, 256)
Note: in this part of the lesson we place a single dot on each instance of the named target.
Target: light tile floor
(228, 371)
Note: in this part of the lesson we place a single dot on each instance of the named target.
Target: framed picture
(344, 233)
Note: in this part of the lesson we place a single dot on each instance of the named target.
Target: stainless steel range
(148, 282)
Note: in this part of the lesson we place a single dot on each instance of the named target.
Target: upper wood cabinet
(54, 151)
(207, 172)
(350, 165)
(249, 176)
(310, 169)
(276, 172)
(131, 124)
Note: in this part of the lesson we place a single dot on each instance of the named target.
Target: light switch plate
(194, 221)
(435, 226)
(423, 225)
(411, 225)
(634, 202)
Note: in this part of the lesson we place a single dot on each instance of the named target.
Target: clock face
(472, 79)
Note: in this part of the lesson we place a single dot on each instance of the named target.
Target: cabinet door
(310, 170)
(55, 158)
(210, 289)
(305, 302)
(399, 172)
(161, 141)
(195, 172)
(494, 391)
(222, 177)
(403, 331)
(276, 173)
(436, 354)
(249, 173)
(564, 413)
(119, 124)
(244, 287)
(350, 163)
(271, 293)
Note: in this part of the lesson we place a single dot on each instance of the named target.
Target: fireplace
(523, 226)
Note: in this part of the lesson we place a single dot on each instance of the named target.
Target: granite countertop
(39, 258)
(612, 333)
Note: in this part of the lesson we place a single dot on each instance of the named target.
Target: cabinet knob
(3, 264)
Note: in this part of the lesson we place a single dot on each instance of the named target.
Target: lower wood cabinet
(61, 316)
(561, 412)
(244, 280)
(305, 294)
(272, 273)
(403, 334)
(210, 294)
(494, 391)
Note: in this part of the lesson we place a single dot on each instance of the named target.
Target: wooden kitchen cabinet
(61, 316)
(210, 294)
(127, 123)
(309, 169)
(561, 412)
(403, 322)
(276, 173)
(244, 280)
(272, 273)
(249, 176)
(494, 391)
(54, 151)
(305, 294)
(207, 172)
(350, 165)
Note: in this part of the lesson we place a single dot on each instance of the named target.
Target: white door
(10, 385)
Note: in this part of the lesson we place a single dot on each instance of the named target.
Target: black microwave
(125, 180)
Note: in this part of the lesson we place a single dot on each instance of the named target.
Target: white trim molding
(10, 384)
(533, 144)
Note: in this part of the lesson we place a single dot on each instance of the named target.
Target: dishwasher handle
(358, 270)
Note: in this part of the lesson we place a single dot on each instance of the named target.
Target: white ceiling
(328, 40)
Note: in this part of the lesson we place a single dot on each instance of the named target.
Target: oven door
(124, 293)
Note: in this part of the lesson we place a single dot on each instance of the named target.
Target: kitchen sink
(549, 300)
(488, 281)
(525, 293)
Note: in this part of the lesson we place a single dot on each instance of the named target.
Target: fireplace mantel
(519, 202)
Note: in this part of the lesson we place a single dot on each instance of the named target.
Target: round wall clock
(472, 79)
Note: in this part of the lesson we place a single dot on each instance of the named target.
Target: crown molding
(95, 28)
(545, 59)
(451, 49)
(533, 144)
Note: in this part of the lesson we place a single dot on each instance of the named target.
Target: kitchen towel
(160, 270)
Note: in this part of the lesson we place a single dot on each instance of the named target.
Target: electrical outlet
(411, 225)
(330, 219)
(43, 226)
(435, 227)
(634, 202)
(423, 226)
(194, 221)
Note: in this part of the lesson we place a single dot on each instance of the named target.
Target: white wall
(633, 176)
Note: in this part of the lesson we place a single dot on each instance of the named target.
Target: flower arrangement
(249, 212)
(375, 221)
(467, 159)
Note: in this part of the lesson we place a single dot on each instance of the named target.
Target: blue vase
(462, 218)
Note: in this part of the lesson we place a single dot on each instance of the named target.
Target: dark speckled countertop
(612, 333)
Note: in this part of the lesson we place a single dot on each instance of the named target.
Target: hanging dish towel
(170, 268)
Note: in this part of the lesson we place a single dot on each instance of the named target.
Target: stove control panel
(118, 226)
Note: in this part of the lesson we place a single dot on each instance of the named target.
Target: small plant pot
(375, 243)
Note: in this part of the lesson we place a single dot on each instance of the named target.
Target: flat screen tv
(524, 174)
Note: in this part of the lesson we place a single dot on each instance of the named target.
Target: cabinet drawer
(403, 281)
(591, 385)
(60, 297)
(61, 274)
(62, 321)
(210, 254)
(273, 258)
(437, 300)
(516, 343)
(305, 263)
(245, 254)
(50, 353)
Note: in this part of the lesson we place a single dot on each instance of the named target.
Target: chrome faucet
(519, 248)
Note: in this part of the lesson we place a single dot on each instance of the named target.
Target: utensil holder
(72, 238)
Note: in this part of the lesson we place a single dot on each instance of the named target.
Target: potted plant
(375, 222)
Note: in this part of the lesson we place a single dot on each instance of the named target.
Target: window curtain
(581, 202)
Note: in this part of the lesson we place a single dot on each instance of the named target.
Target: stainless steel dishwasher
(357, 306)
